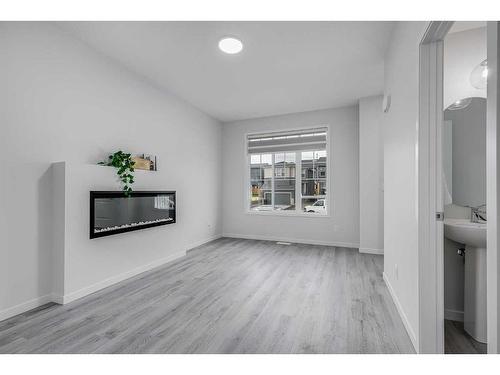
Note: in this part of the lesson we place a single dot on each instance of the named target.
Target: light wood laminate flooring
(227, 296)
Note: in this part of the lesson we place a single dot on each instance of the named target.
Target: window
(313, 164)
(288, 171)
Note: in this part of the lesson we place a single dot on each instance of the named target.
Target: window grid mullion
(298, 182)
(272, 181)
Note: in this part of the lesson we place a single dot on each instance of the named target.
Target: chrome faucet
(478, 214)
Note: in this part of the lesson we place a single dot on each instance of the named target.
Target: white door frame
(493, 187)
(430, 200)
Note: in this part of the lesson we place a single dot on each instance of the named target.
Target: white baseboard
(127, 275)
(25, 306)
(70, 297)
(401, 312)
(455, 315)
(64, 299)
(367, 250)
(57, 298)
(292, 240)
(202, 242)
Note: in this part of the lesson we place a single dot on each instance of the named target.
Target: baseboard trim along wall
(67, 298)
(367, 250)
(455, 315)
(64, 299)
(136, 271)
(25, 306)
(404, 318)
(292, 240)
(202, 242)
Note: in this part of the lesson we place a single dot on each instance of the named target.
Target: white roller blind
(306, 139)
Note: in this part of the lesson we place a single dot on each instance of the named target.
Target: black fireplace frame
(121, 194)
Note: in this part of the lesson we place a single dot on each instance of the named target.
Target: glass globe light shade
(479, 75)
(460, 104)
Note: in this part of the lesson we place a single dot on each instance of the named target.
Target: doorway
(432, 197)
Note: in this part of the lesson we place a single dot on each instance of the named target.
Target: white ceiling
(459, 26)
(285, 67)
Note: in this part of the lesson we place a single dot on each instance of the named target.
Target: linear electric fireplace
(111, 212)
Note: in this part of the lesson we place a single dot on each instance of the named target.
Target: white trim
(290, 213)
(273, 177)
(277, 150)
(329, 186)
(202, 242)
(493, 187)
(57, 298)
(64, 299)
(401, 312)
(349, 245)
(70, 297)
(136, 271)
(368, 250)
(25, 306)
(455, 315)
(430, 231)
(299, 131)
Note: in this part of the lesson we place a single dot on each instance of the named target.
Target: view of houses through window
(288, 171)
(275, 184)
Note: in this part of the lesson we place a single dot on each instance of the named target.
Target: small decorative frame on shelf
(146, 162)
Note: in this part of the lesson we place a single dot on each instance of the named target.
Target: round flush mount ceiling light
(479, 75)
(230, 45)
(460, 104)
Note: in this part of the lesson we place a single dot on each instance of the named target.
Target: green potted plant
(125, 168)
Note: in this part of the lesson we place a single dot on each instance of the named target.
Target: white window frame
(298, 179)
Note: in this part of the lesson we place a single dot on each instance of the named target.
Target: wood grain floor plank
(227, 296)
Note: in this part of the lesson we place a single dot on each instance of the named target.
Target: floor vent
(283, 243)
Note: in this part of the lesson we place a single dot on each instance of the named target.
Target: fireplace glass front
(111, 212)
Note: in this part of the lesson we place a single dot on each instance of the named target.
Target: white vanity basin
(473, 236)
(465, 232)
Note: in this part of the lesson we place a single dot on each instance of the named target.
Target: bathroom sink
(465, 232)
(473, 236)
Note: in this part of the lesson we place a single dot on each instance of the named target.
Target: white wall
(400, 171)
(463, 51)
(342, 227)
(89, 265)
(67, 103)
(371, 176)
